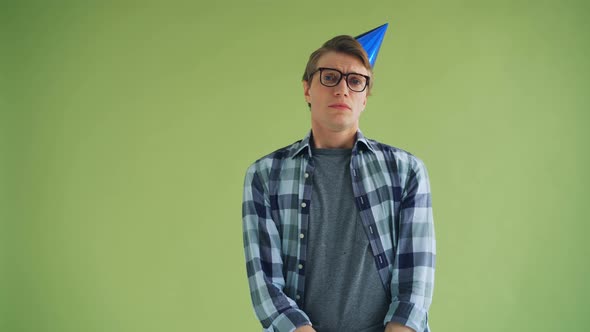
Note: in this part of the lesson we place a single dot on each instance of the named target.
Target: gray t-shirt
(343, 291)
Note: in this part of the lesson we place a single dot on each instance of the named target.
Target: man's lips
(339, 106)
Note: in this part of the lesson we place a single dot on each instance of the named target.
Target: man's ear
(306, 87)
(365, 103)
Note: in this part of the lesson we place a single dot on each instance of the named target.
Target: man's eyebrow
(350, 72)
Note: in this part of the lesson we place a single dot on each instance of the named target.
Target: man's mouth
(340, 106)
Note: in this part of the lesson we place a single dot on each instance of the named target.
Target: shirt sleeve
(264, 265)
(412, 279)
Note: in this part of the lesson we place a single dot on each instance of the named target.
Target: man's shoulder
(393, 153)
(276, 157)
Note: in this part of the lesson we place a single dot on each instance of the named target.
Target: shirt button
(303, 205)
(301, 236)
(306, 175)
(297, 297)
(300, 266)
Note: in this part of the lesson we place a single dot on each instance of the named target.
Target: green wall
(127, 130)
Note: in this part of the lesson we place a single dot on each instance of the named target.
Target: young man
(338, 229)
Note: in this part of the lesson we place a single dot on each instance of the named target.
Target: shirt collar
(304, 146)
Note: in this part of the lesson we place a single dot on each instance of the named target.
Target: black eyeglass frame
(368, 78)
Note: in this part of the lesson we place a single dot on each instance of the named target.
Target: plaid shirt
(392, 194)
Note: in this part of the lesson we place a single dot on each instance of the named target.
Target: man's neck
(325, 139)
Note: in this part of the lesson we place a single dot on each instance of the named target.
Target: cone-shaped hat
(371, 41)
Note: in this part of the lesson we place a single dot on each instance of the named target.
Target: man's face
(336, 108)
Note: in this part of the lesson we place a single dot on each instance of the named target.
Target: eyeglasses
(331, 77)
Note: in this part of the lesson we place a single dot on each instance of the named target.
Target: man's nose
(341, 88)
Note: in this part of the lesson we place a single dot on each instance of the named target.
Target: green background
(127, 130)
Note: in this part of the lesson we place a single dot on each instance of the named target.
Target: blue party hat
(371, 41)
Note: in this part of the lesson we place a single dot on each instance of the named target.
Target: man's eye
(354, 81)
(330, 77)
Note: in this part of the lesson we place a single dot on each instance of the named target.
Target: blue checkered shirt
(392, 194)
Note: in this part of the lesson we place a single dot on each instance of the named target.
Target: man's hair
(341, 44)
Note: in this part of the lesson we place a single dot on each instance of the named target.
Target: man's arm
(397, 327)
(262, 247)
(412, 279)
